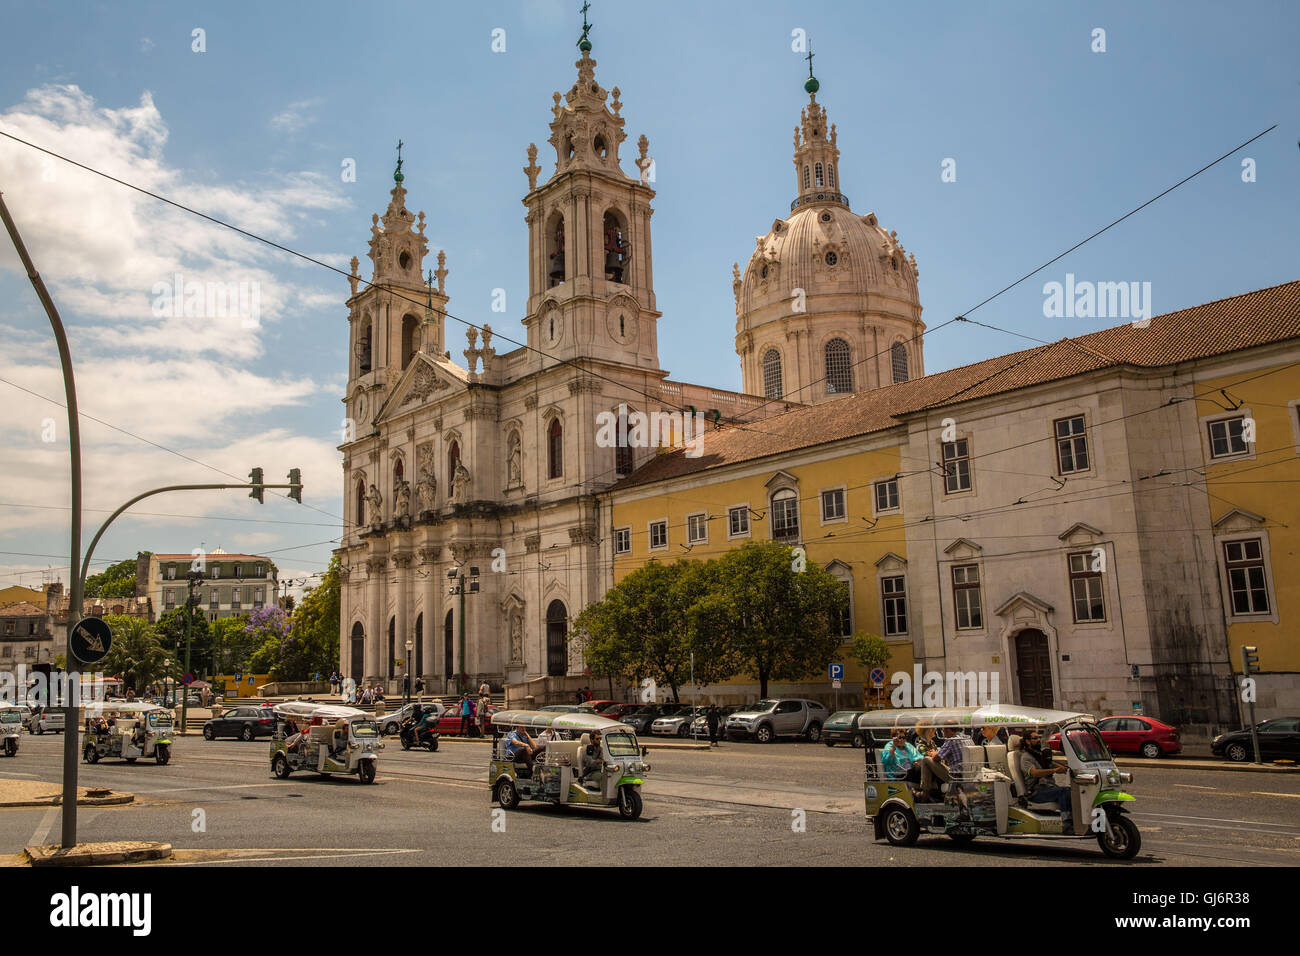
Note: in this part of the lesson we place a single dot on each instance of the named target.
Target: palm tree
(136, 655)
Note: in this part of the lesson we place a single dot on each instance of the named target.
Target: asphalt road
(217, 803)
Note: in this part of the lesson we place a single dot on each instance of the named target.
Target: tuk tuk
(988, 797)
(570, 770)
(128, 730)
(11, 725)
(326, 738)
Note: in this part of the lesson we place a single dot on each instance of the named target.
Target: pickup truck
(780, 717)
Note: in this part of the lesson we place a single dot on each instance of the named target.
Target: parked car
(1279, 739)
(1134, 735)
(45, 721)
(449, 722)
(779, 717)
(641, 718)
(700, 726)
(562, 708)
(246, 723)
(841, 727)
(613, 709)
(677, 724)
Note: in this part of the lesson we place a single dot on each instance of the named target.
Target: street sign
(187, 679)
(836, 671)
(877, 677)
(90, 640)
(835, 684)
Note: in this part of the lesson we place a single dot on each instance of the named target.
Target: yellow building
(16, 594)
(816, 477)
(1249, 422)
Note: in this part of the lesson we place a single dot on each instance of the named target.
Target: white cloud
(295, 117)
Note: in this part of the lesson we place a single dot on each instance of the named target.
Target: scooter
(415, 735)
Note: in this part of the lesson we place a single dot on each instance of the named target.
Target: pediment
(963, 548)
(1023, 606)
(1238, 519)
(782, 479)
(1079, 533)
(423, 379)
(891, 562)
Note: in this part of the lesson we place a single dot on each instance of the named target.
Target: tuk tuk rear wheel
(629, 803)
(280, 766)
(163, 753)
(366, 771)
(962, 839)
(506, 795)
(130, 759)
(901, 828)
(11, 748)
(1121, 839)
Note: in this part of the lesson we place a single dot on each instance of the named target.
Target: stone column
(345, 615)
(375, 635)
(404, 627)
(432, 622)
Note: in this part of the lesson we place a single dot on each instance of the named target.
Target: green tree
(171, 632)
(870, 651)
(115, 581)
(644, 627)
(780, 622)
(297, 648)
(136, 655)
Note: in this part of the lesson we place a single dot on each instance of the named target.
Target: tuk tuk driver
(519, 746)
(1037, 769)
(592, 759)
(340, 736)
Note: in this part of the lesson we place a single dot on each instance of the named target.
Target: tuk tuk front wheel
(11, 748)
(629, 803)
(506, 795)
(280, 767)
(90, 754)
(1121, 839)
(366, 771)
(901, 828)
(162, 753)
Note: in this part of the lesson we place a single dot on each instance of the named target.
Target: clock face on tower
(621, 323)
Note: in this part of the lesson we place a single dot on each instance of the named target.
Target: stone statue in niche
(516, 637)
(460, 483)
(515, 468)
(402, 509)
(376, 502)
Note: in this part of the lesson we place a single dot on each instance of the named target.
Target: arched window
(898, 357)
(555, 252)
(615, 248)
(622, 450)
(397, 473)
(805, 177)
(817, 175)
(361, 501)
(358, 652)
(555, 449)
(453, 456)
(839, 371)
(363, 348)
(830, 175)
(785, 516)
(842, 614)
(557, 644)
(410, 338)
(772, 374)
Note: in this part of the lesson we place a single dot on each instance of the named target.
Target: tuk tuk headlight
(1125, 777)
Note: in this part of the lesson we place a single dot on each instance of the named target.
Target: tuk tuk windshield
(621, 745)
(160, 720)
(364, 729)
(10, 717)
(1087, 744)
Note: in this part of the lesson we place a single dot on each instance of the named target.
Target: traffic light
(255, 476)
(295, 479)
(1249, 659)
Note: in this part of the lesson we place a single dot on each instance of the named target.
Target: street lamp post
(194, 579)
(406, 682)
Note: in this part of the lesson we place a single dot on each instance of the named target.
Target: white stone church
(493, 465)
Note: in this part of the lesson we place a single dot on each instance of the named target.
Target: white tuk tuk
(11, 726)
(326, 738)
(129, 730)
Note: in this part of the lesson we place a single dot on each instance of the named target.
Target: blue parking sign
(837, 671)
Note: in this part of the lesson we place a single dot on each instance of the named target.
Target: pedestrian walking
(464, 715)
(483, 714)
(419, 686)
(713, 717)
(484, 689)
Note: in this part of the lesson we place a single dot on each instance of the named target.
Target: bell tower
(816, 157)
(590, 279)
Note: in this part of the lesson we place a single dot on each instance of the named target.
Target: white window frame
(216, 571)
(704, 524)
(884, 614)
(171, 572)
(744, 510)
(624, 535)
(1208, 421)
(875, 509)
(1072, 575)
(1087, 445)
(979, 589)
(970, 469)
(771, 515)
(1220, 543)
(650, 534)
(844, 501)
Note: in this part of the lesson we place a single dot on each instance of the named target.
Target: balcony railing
(807, 198)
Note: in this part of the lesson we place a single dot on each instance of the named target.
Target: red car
(1135, 735)
(449, 723)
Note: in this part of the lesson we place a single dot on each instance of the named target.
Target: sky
(257, 118)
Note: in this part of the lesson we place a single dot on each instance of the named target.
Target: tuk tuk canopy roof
(996, 715)
(310, 709)
(558, 720)
(125, 707)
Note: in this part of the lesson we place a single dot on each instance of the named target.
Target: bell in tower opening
(556, 274)
(615, 249)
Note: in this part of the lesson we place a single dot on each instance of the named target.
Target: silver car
(779, 717)
(676, 725)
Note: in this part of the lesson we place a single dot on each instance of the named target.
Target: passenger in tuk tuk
(292, 735)
(926, 741)
(901, 760)
(945, 765)
(339, 740)
(988, 736)
(138, 731)
(519, 746)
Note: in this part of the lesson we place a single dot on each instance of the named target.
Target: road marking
(1178, 816)
(236, 786)
(1265, 793)
(43, 828)
(275, 859)
(1192, 786)
(30, 776)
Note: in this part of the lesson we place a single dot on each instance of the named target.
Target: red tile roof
(22, 609)
(1226, 325)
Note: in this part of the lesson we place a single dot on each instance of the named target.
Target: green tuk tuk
(570, 770)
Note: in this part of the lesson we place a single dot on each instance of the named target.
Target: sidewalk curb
(56, 800)
(96, 854)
